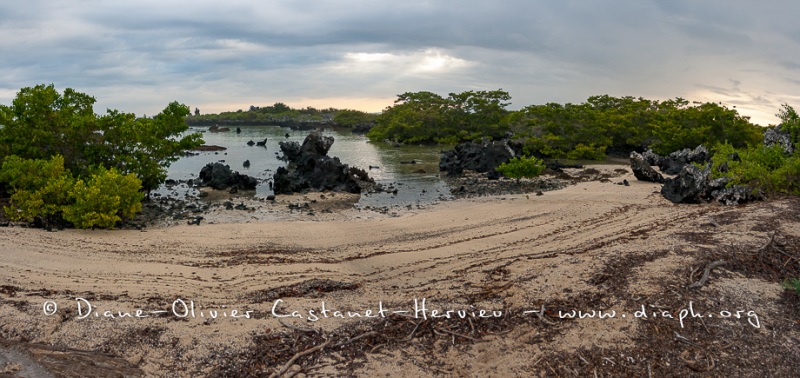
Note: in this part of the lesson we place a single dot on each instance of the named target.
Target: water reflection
(413, 170)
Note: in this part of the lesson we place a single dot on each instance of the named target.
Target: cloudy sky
(139, 55)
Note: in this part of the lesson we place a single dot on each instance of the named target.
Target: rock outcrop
(478, 157)
(643, 171)
(220, 176)
(673, 163)
(694, 185)
(310, 168)
(778, 136)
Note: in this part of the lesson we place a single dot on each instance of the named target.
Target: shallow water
(416, 183)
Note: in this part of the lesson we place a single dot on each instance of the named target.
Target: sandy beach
(241, 298)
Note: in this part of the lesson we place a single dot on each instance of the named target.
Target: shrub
(39, 188)
(792, 284)
(590, 152)
(45, 190)
(520, 167)
(104, 199)
(763, 168)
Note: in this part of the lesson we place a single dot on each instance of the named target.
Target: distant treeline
(280, 114)
(580, 131)
(589, 130)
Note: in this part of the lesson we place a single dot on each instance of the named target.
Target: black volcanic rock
(694, 185)
(689, 186)
(642, 170)
(310, 168)
(780, 137)
(478, 157)
(220, 176)
(673, 163)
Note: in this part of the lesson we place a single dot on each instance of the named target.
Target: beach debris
(706, 272)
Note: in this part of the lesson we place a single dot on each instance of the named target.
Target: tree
(790, 122)
(426, 117)
(42, 123)
(352, 118)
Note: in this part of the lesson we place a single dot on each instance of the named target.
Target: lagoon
(417, 183)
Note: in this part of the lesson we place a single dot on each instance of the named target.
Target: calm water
(416, 183)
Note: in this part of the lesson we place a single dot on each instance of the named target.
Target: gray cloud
(139, 55)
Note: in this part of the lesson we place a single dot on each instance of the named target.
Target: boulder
(652, 158)
(310, 168)
(642, 169)
(220, 176)
(557, 166)
(694, 185)
(479, 157)
(673, 163)
(736, 194)
(778, 136)
(689, 186)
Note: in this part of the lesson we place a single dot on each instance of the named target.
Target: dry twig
(460, 335)
(707, 271)
(361, 336)
(298, 355)
(296, 328)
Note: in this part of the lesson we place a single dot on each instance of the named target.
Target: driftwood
(707, 271)
(298, 355)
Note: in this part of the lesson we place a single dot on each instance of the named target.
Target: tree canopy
(60, 160)
(425, 117)
(41, 123)
(579, 131)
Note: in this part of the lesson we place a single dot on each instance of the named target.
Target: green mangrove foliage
(45, 190)
(278, 113)
(60, 159)
(578, 131)
(425, 117)
(353, 118)
(767, 169)
(520, 167)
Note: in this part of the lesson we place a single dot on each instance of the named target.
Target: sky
(138, 56)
